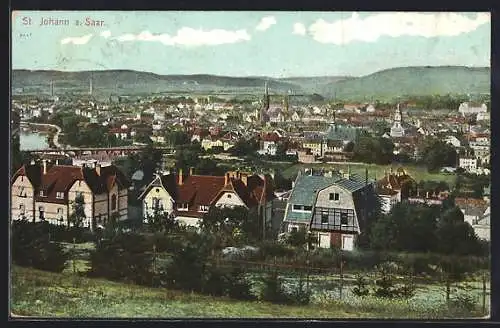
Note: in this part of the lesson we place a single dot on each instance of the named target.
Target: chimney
(226, 178)
(44, 163)
(427, 195)
(180, 177)
(98, 169)
(244, 178)
(191, 170)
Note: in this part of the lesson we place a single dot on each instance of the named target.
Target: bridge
(97, 150)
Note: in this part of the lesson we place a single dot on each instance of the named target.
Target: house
(333, 207)
(48, 192)
(468, 163)
(452, 140)
(483, 116)
(482, 226)
(393, 188)
(370, 108)
(467, 108)
(188, 197)
(269, 144)
(477, 214)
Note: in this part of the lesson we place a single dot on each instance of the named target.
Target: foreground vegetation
(39, 293)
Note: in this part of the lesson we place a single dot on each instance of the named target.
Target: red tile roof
(60, 178)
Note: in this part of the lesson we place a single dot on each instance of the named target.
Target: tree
(31, 246)
(178, 138)
(436, 153)
(370, 149)
(456, 237)
(162, 222)
(78, 216)
(245, 147)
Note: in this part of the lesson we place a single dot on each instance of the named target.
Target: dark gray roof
(341, 132)
(307, 187)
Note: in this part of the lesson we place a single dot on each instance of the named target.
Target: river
(31, 140)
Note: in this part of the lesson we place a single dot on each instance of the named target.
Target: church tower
(397, 130)
(265, 106)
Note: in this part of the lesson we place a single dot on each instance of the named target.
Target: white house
(469, 164)
(452, 140)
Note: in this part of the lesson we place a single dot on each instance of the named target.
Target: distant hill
(380, 85)
(396, 82)
(127, 82)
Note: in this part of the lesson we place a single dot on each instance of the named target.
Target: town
(162, 168)
(327, 169)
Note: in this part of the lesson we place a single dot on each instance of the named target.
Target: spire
(90, 84)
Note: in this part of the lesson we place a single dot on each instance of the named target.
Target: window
(22, 193)
(60, 195)
(297, 207)
(228, 195)
(113, 202)
(308, 208)
(182, 206)
(343, 218)
(295, 229)
(41, 213)
(334, 196)
(42, 193)
(324, 218)
(21, 209)
(157, 189)
(60, 213)
(156, 203)
(204, 208)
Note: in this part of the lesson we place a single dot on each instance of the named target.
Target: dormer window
(42, 193)
(60, 195)
(204, 208)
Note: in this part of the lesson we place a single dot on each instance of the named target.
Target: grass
(43, 294)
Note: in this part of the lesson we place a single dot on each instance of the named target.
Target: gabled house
(189, 197)
(473, 209)
(393, 188)
(43, 192)
(335, 208)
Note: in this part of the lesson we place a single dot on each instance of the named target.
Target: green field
(42, 294)
(374, 171)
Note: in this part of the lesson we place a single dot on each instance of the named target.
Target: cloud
(265, 23)
(105, 34)
(77, 40)
(371, 28)
(189, 37)
(299, 28)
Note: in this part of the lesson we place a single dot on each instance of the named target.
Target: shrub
(239, 286)
(361, 286)
(31, 247)
(300, 296)
(386, 284)
(463, 302)
(273, 289)
(126, 258)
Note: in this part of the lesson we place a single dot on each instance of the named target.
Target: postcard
(251, 164)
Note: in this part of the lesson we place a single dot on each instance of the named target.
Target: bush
(239, 287)
(125, 258)
(463, 302)
(300, 296)
(361, 286)
(272, 249)
(386, 284)
(273, 289)
(31, 247)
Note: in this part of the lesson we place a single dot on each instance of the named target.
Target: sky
(274, 44)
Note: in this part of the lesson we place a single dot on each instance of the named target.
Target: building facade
(50, 193)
